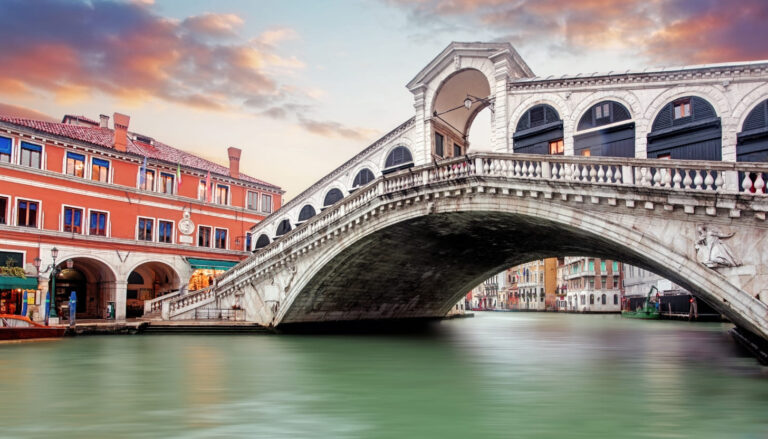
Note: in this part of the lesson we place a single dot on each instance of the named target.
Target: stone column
(121, 292)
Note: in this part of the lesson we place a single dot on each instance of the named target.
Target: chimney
(121, 131)
(103, 121)
(234, 161)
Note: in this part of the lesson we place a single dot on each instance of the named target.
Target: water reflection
(497, 375)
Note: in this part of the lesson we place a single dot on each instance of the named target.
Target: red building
(131, 217)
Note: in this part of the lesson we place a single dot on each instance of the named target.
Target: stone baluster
(531, 170)
(518, 170)
(719, 180)
(538, 170)
(584, 172)
(746, 184)
(601, 174)
(568, 171)
(709, 182)
(759, 183)
(697, 180)
(656, 180)
(592, 174)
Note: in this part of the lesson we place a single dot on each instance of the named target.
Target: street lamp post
(50, 297)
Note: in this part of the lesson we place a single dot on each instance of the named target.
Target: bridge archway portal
(458, 101)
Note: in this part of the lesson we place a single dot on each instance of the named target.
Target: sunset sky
(301, 86)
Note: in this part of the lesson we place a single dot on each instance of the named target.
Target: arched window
(262, 242)
(614, 141)
(603, 299)
(615, 299)
(752, 144)
(332, 197)
(283, 228)
(591, 299)
(135, 278)
(688, 129)
(539, 131)
(306, 213)
(398, 158)
(363, 177)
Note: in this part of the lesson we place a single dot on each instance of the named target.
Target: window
(145, 229)
(99, 170)
(363, 177)
(201, 190)
(165, 231)
(332, 197)
(166, 183)
(75, 164)
(5, 149)
(266, 203)
(221, 238)
(204, 236)
(149, 180)
(591, 265)
(222, 194)
(98, 223)
(615, 299)
(439, 144)
(556, 147)
(73, 220)
(27, 213)
(682, 108)
(248, 239)
(456, 150)
(602, 266)
(3, 210)
(615, 267)
(399, 156)
(603, 111)
(586, 153)
(253, 200)
(603, 299)
(30, 155)
(591, 299)
(666, 156)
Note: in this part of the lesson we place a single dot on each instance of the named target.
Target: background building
(593, 284)
(131, 218)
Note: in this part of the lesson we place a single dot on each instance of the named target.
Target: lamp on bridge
(470, 100)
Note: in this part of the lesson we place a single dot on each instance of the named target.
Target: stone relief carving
(711, 251)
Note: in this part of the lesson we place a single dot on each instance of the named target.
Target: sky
(301, 86)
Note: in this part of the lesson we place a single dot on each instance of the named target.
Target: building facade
(593, 284)
(131, 218)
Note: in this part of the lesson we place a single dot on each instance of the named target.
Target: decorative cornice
(720, 72)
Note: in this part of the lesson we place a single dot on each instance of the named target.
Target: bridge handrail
(156, 303)
(673, 175)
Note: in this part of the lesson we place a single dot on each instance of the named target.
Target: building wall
(588, 280)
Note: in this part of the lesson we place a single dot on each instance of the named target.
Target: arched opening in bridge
(752, 145)
(363, 177)
(283, 228)
(605, 130)
(332, 197)
(93, 283)
(306, 213)
(539, 131)
(686, 129)
(399, 158)
(261, 242)
(148, 281)
(457, 103)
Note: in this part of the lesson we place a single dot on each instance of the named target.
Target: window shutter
(664, 119)
(756, 118)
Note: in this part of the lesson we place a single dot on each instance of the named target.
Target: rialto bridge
(664, 169)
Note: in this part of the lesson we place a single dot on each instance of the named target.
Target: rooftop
(104, 137)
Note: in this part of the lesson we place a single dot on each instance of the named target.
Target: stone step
(205, 328)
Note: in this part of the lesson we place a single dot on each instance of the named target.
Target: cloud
(335, 129)
(123, 49)
(662, 31)
(24, 113)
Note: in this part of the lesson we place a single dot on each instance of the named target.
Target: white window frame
(248, 192)
(173, 184)
(213, 238)
(173, 230)
(43, 157)
(61, 218)
(13, 250)
(271, 203)
(39, 212)
(109, 173)
(154, 180)
(204, 199)
(108, 224)
(229, 194)
(210, 237)
(154, 232)
(8, 210)
(12, 157)
(86, 160)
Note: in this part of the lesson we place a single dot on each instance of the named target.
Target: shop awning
(210, 264)
(12, 282)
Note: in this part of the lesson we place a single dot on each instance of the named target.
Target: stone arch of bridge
(417, 262)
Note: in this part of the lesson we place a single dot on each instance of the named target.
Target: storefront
(12, 291)
(204, 271)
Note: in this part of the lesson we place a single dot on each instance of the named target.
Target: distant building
(593, 285)
(638, 282)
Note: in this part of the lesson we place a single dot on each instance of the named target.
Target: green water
(507, 375)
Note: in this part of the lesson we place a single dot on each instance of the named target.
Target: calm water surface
(496, 375)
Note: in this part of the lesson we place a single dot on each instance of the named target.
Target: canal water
(521, 375)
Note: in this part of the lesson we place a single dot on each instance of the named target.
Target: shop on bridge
(205, 271)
